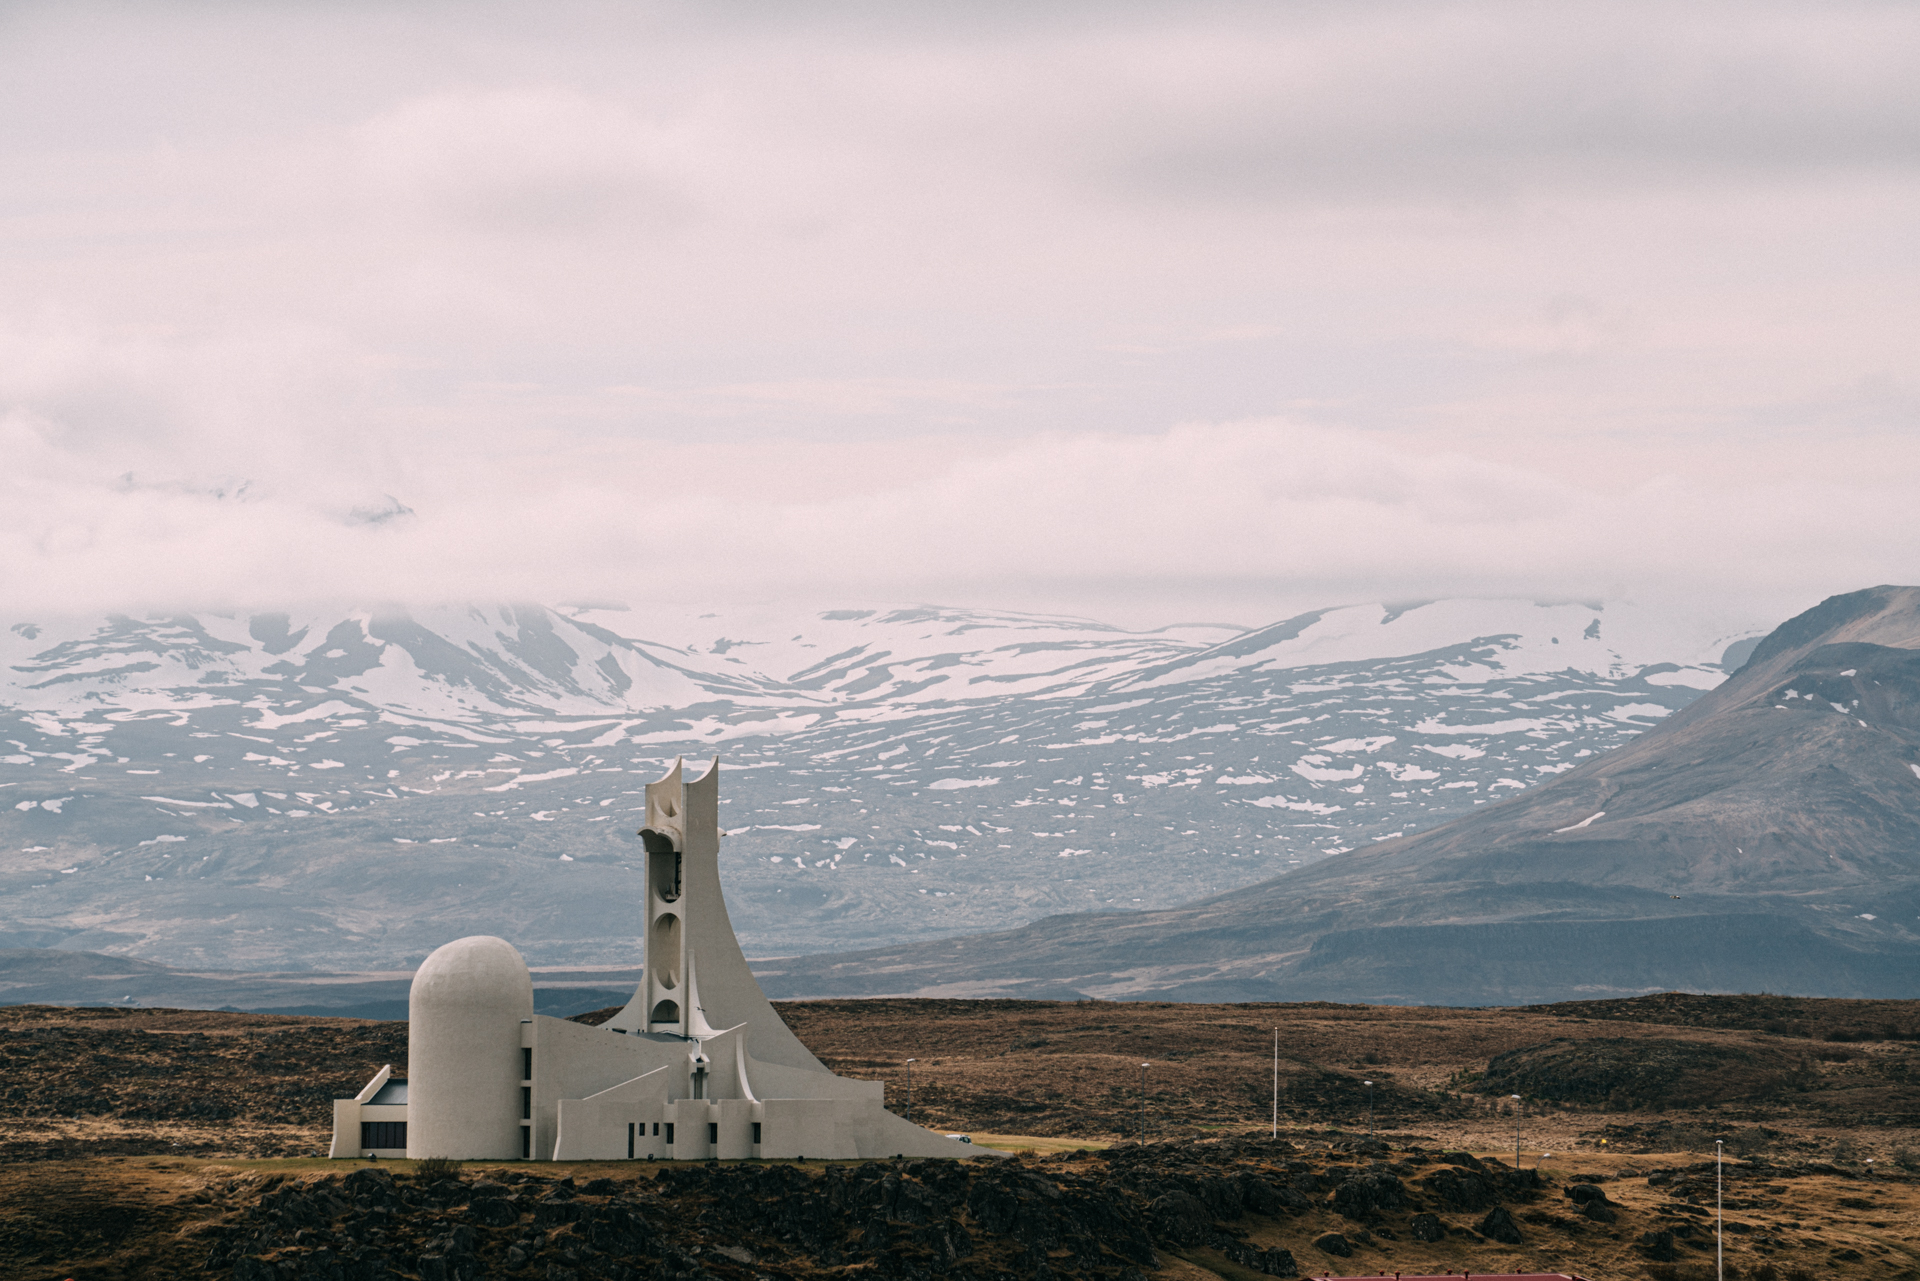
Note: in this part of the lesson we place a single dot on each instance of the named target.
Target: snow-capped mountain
(346, 791)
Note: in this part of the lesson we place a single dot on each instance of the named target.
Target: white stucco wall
(463, 1051)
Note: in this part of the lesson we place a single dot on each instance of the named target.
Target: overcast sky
(1148, 311)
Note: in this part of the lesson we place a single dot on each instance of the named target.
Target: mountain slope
(345, 791)
(1766, 837)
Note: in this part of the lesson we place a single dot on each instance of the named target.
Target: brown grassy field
(1779, 1074)
(120, 1128)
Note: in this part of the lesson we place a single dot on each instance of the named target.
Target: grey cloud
(1490, 99)
(912, 301)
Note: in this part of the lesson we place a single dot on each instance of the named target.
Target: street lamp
(1143, 1102)
(1516, 1130)
(1369, 1086)
(910, 1063)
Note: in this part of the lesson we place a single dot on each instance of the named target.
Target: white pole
(1276, 1083)
(1719, 1227)
(1143, 1102)
(1516, 1130)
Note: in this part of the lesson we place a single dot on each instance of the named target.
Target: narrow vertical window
(656, 1129)
(526, 1143)
(526, 1103)
(526, 1063)
(669, 1134)
(629, 1140)
(713, 1132)
(756, 1134)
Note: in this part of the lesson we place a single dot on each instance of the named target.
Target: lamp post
(910, 1063)
(1369, 1085)
(1719, 1227)
(1276, 1083)
(1143, 1102)
(1516, 1130)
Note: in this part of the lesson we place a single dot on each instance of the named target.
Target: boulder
(1368, 1194)
(1180, 1218)
(1462, 1189)
(1499, 1226)
(1335, 1244)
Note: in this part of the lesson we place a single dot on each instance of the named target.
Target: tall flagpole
(1276, 1083)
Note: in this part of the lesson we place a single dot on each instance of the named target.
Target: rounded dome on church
(478, 973)
(464, 1061)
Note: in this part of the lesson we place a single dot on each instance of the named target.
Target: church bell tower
(682, 849)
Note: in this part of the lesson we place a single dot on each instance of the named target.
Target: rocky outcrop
(1108, 1215)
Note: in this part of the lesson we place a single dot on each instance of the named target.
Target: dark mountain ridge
(1766, 837)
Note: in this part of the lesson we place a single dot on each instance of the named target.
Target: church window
(383, 1136)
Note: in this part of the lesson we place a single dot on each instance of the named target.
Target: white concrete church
(697, 1066)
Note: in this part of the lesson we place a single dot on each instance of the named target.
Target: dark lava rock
(1096, 1217)
(1180, 1218)
(1602, 1211)
(1499, 1226)
(493, 1212)
(1658, 1246)
(1335, 1244)
(1367, 1195)
(1271, 1262)
(1462, 1189)
(1587, 1193)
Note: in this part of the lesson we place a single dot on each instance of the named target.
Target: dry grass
(115, 1121)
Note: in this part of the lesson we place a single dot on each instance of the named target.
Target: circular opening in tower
(665, 952)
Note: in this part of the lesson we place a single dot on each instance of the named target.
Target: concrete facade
(464, 1062)
(698, 1065)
